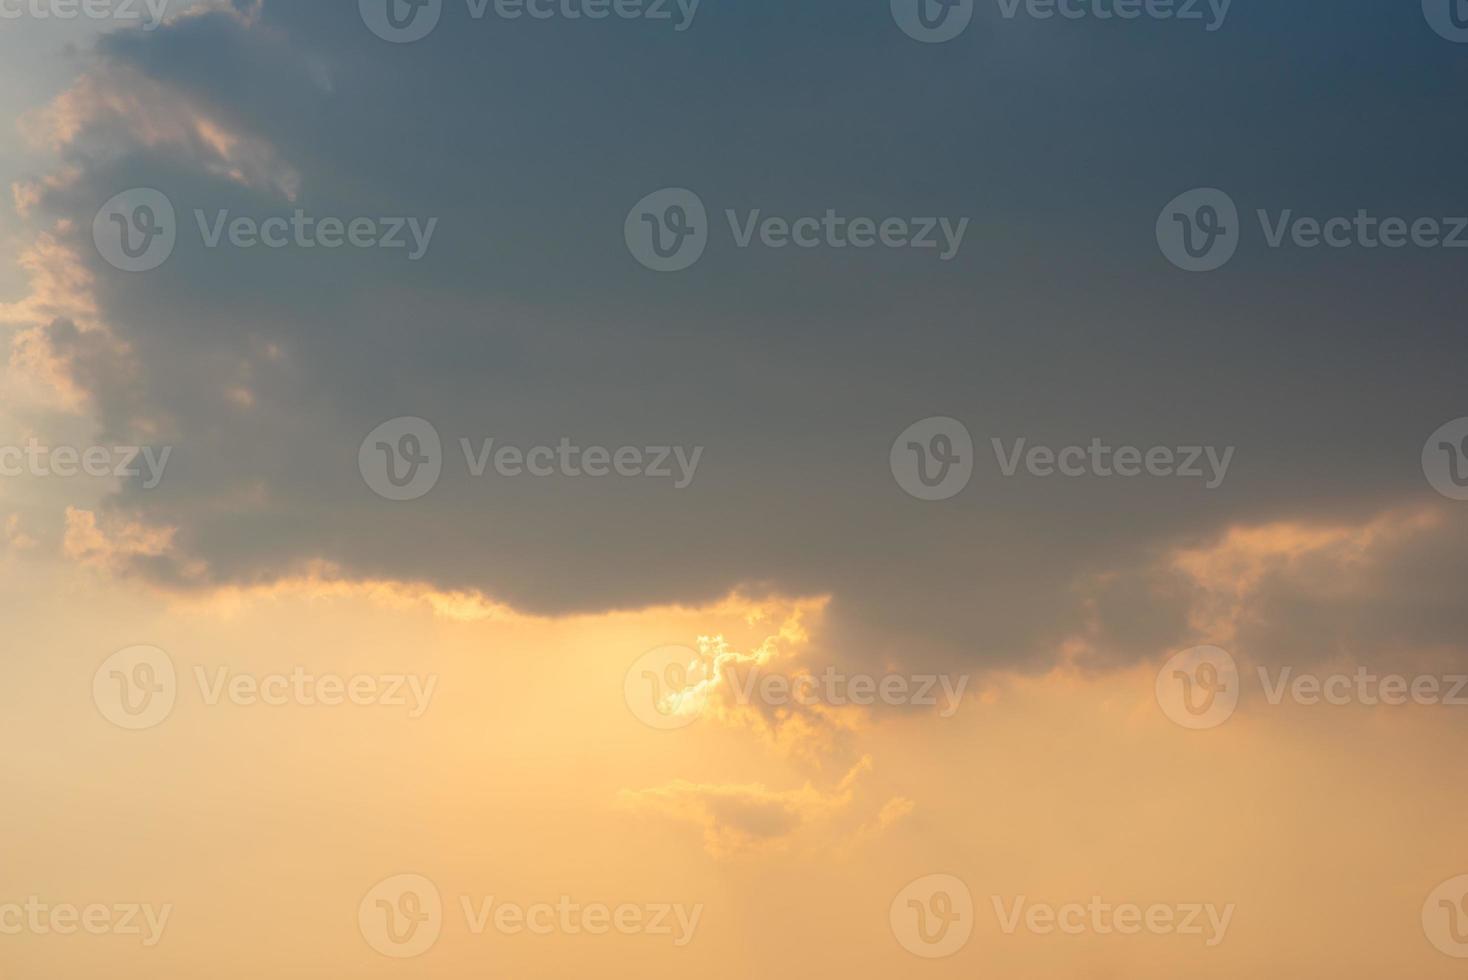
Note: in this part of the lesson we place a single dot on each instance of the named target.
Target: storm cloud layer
(526, 319)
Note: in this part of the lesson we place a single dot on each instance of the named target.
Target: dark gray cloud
(528, 321)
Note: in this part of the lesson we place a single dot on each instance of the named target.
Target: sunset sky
(851, 489)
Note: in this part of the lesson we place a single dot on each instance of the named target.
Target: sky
(836, 488)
